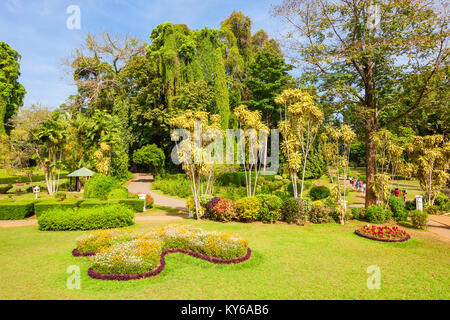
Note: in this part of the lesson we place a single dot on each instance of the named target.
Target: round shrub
(419, 219)
(410, 205)
(99, 217)
(270, 208)
(99, 186)
(221, 209)
(290, 211)
(376, 214)
(248, 209)
(357, 213)
(398, 209)
(118, 193)
(442, 202)
(319, 214)
(320, 192)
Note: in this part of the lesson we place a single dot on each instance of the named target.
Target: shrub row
(4, 188)
(21, 209)
(100, 217)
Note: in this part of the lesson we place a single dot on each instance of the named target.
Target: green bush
(4, 188)
(283, 195)
(16, 210)
(419, 219)
(304, 207)
(431, 209)
(290, 211)
(61, 196)
(47, 205)
(410, 205)
(357, 213)
(231, 179)
(270, 208)
(319, 214)
(442, 202)
(99, 186)
(398, 209)
(174, 185)
(101, 217)
(135, 204)
(320, 192)
(118, 193)
(248, 209)
(376, 214)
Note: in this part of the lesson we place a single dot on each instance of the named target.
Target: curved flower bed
(383, 233)
(127, 255)
(125, 277)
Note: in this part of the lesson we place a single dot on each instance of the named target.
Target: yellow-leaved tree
(336, 151)
(431, 158)
(299, 129)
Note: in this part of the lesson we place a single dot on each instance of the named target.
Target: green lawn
(289, 262)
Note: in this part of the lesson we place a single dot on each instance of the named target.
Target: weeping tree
(336, 151)
(299, 129)
(199, 150)
(252, 145)
(431, 158)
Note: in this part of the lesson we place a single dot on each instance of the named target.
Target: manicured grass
(289, 262)
(162, 211)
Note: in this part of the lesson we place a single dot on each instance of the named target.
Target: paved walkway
(440, 225)
(141, 184)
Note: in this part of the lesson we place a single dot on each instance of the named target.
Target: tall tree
(11, 91)
(363, 53)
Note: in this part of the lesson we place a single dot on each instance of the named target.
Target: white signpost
(419, 202)
(36, 190)
(142, 196)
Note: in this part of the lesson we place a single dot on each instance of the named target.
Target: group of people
(357, 184)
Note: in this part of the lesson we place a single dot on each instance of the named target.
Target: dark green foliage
(398, 209)
(135, 204)
(16, 210)
(232, 179)
(410, 205)
(5, 188)
(101, 217)
(11, 91)
(419, 219)
(358, 154)
(174, 185)
(47, 205)
(270, 208)
(320, 192)
(99, 186)
(319, 214)
(376, 214)
(290, 211)
(357, 213)
(150, 157)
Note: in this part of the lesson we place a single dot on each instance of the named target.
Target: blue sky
(37, 30)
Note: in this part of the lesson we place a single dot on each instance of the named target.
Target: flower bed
(127, 255)
(383, 233)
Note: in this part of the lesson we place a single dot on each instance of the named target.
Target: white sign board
(142, 196)
(419, 202)
(36, 190)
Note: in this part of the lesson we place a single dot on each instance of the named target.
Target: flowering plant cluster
(128, 252)
(221, 209)
(383, 232)
(149, 200)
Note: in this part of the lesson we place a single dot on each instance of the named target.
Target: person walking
(364, 188)
(360, 185)
(404, 195)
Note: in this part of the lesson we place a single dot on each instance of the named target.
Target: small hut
(83, 172)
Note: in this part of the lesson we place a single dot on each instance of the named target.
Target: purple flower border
(78, 253)
(383, 240)
(162, 263)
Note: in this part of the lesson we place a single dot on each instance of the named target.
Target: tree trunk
(371, 197)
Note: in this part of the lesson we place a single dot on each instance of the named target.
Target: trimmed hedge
(100, 185)
(16, 210)
(319, 192)
(135, 204)
(46, 205)
(101, 217)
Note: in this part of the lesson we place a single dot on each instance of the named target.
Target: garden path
(440, 225)
(141, 183)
